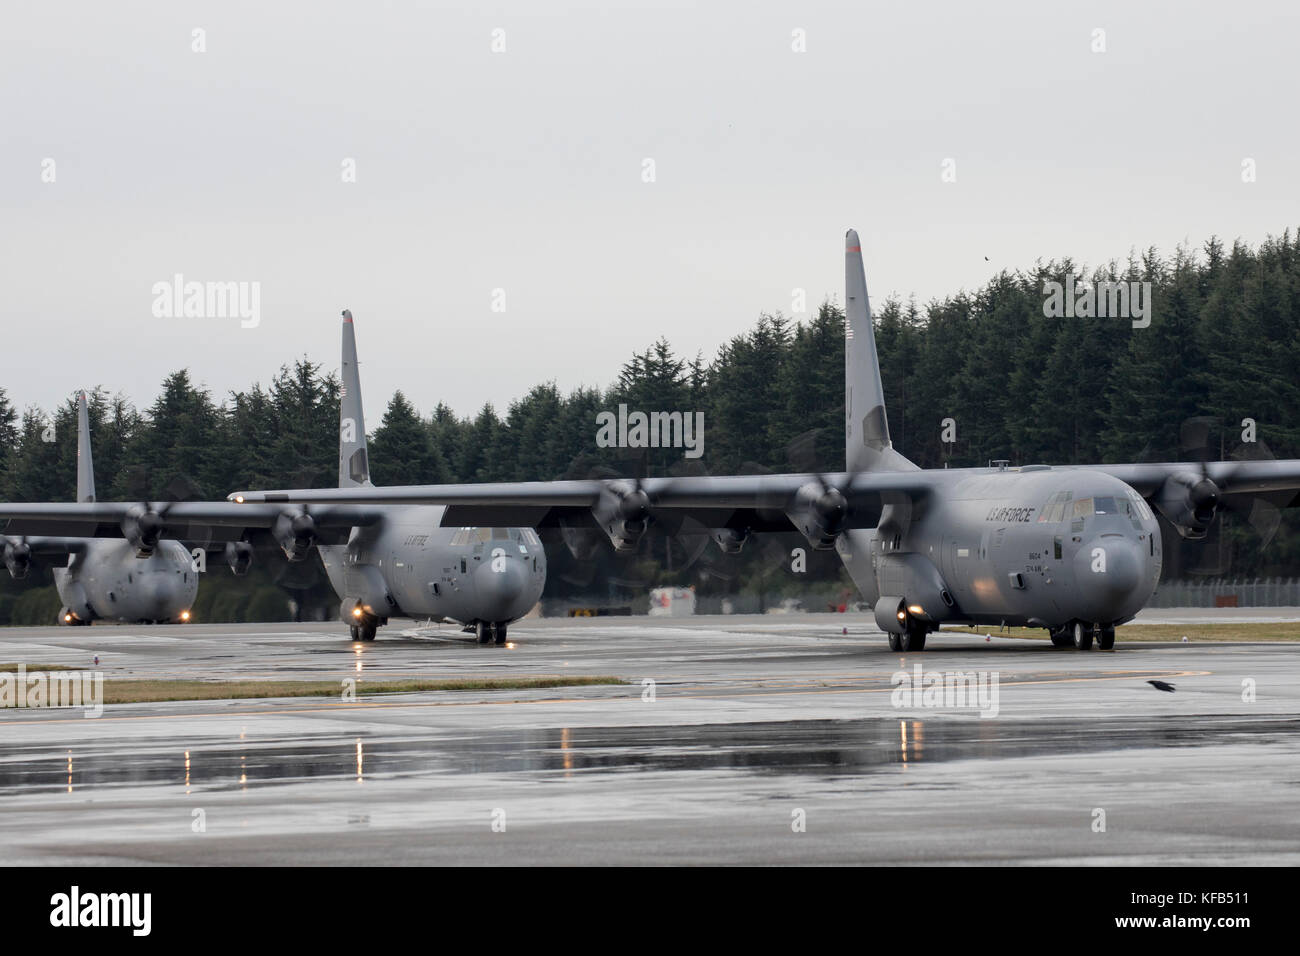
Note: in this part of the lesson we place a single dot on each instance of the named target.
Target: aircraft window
(500, 534)
(1083, 508)
(1141, 505)
(484, 534)
(1054, 510)
(1105, 505)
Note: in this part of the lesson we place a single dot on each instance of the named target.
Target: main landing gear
(1081, 634)
(489, 633)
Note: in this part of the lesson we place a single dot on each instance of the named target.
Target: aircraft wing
(753, 502)
(1232, 477)
(203, 523)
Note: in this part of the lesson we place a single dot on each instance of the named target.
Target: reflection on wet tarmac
(811, 747)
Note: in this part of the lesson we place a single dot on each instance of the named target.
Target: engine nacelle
(142, 526)
(18, 558)
(296, 534)
(820, 514)
(623, 513)
(239, 556)
(1190, 502)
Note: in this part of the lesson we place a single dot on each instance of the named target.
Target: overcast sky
(524, 171)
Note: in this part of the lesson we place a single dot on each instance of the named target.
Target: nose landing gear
(912, 640)
(490, 633)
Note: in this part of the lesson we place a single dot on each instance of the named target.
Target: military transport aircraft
(408, 564)
(109, 578)
(1074, 549)
(382, 560)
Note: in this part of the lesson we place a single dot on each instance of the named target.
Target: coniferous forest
(1223, 343)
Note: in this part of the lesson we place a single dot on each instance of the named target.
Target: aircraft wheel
(368, 630)
(1062, 638)
(1082, 636)
(484, 631)
(499, 631)
(895, 641)
(356, 632)
(1106, 638)
(913, 640)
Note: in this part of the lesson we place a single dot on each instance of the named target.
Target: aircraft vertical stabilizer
(354, 465)
(85, 467)
(866, 426)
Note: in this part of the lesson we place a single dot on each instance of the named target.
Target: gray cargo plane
(383, 560)
(1075, 549)
(109, 578)
(408, 564)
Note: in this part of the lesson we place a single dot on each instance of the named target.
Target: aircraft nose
(500, 582)
(1111, 572)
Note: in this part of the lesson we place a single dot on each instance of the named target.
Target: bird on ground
(1161, 685)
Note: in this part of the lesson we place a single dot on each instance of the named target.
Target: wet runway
(773, 739)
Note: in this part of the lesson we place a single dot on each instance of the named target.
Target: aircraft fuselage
(1041, 547)
(107, 580)
(408, 566)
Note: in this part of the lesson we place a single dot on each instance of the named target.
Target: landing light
(239, 499)
(902, 615)
(916, 609)
(356, 612)
(67, 619)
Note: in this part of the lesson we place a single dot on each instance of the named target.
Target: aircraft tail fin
(354, 464)
(85, 466)
(866, 426)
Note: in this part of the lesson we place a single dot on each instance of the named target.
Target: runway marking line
(634, 697)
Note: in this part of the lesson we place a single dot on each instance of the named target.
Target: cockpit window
(1054, 510)
(1140, 505)
(1104, 505)
(500, 534)
(1083, 508)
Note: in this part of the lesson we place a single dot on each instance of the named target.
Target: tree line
(1223, 343)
